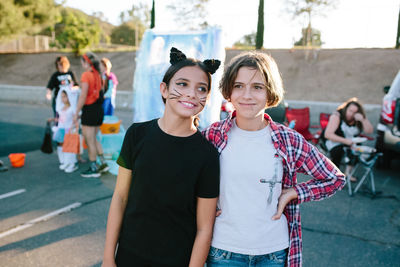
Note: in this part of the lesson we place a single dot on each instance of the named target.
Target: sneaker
(63, 166)
(103, 168)
(71, 168)
(3, 168)
(90, 173)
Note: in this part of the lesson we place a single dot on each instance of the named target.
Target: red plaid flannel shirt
(298, 156)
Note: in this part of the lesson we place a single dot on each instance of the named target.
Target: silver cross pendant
(271, 187)
(273, 181)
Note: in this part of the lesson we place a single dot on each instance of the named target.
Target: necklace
(274, 179)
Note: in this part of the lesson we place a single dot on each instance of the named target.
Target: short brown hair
(64, 62)
(263, 63)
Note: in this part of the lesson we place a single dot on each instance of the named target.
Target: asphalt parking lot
(50, 218)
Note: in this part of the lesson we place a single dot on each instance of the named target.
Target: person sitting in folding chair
(344, 125)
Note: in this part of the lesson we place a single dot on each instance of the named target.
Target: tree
(153, 16)
(77, 32)
(311, 8)
(26, 16)
(190, 14)
(133, 25)
(139, 13)
(260, 25)
(398, 33)
(124, 34)
(249, 40)
(315, 37)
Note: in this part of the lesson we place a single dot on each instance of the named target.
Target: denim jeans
(218, 258)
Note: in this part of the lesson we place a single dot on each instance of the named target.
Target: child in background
(63, 78)
(110, 83)
(66, 113)
(259, 161)
(90, 103)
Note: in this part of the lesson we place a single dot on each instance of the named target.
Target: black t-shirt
(60, 79)
(168, 174)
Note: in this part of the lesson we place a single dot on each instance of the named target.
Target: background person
(63, 78)
(89, 103)
(163, 207)
(66, 111)
(348, 121)
(110, 83)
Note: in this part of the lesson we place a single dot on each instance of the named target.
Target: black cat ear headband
(211, 65)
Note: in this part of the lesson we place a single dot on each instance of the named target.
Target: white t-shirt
(245, 225)
(66, 118)
(348, 131)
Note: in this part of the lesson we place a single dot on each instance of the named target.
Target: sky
(352, 24)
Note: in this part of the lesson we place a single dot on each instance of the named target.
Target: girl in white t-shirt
(66, 112)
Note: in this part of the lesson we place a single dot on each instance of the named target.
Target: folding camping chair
(367, 158)
(323, 122)
(301, 117)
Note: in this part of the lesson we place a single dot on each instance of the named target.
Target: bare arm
(115, 215)
(366, 124)
(81, 100)
(82, 97)
(48, 93)
(332, 126)
(205, 223)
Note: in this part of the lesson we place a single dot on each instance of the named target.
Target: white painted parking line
(13, 193)
(40, 219)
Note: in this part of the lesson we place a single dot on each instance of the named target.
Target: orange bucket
(110, 128)
(17, 159)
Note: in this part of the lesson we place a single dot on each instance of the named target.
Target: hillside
(328, 75)
(105, 26)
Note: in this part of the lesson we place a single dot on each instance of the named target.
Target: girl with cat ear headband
(163, 208)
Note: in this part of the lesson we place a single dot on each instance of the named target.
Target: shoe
(71, 168)
(90, 173)
(3, 168)
(63, 166)
(103, 168)
(82, 160)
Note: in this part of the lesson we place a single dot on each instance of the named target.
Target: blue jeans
(218, 258)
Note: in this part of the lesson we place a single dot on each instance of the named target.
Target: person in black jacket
(63, 78)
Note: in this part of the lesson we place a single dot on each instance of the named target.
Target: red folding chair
(323, 122)
(302, 121)
(324, 119)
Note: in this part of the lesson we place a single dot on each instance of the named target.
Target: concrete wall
(36, 95)
(332, 75)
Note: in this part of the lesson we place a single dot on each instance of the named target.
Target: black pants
(126, 258)
(337, 153)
